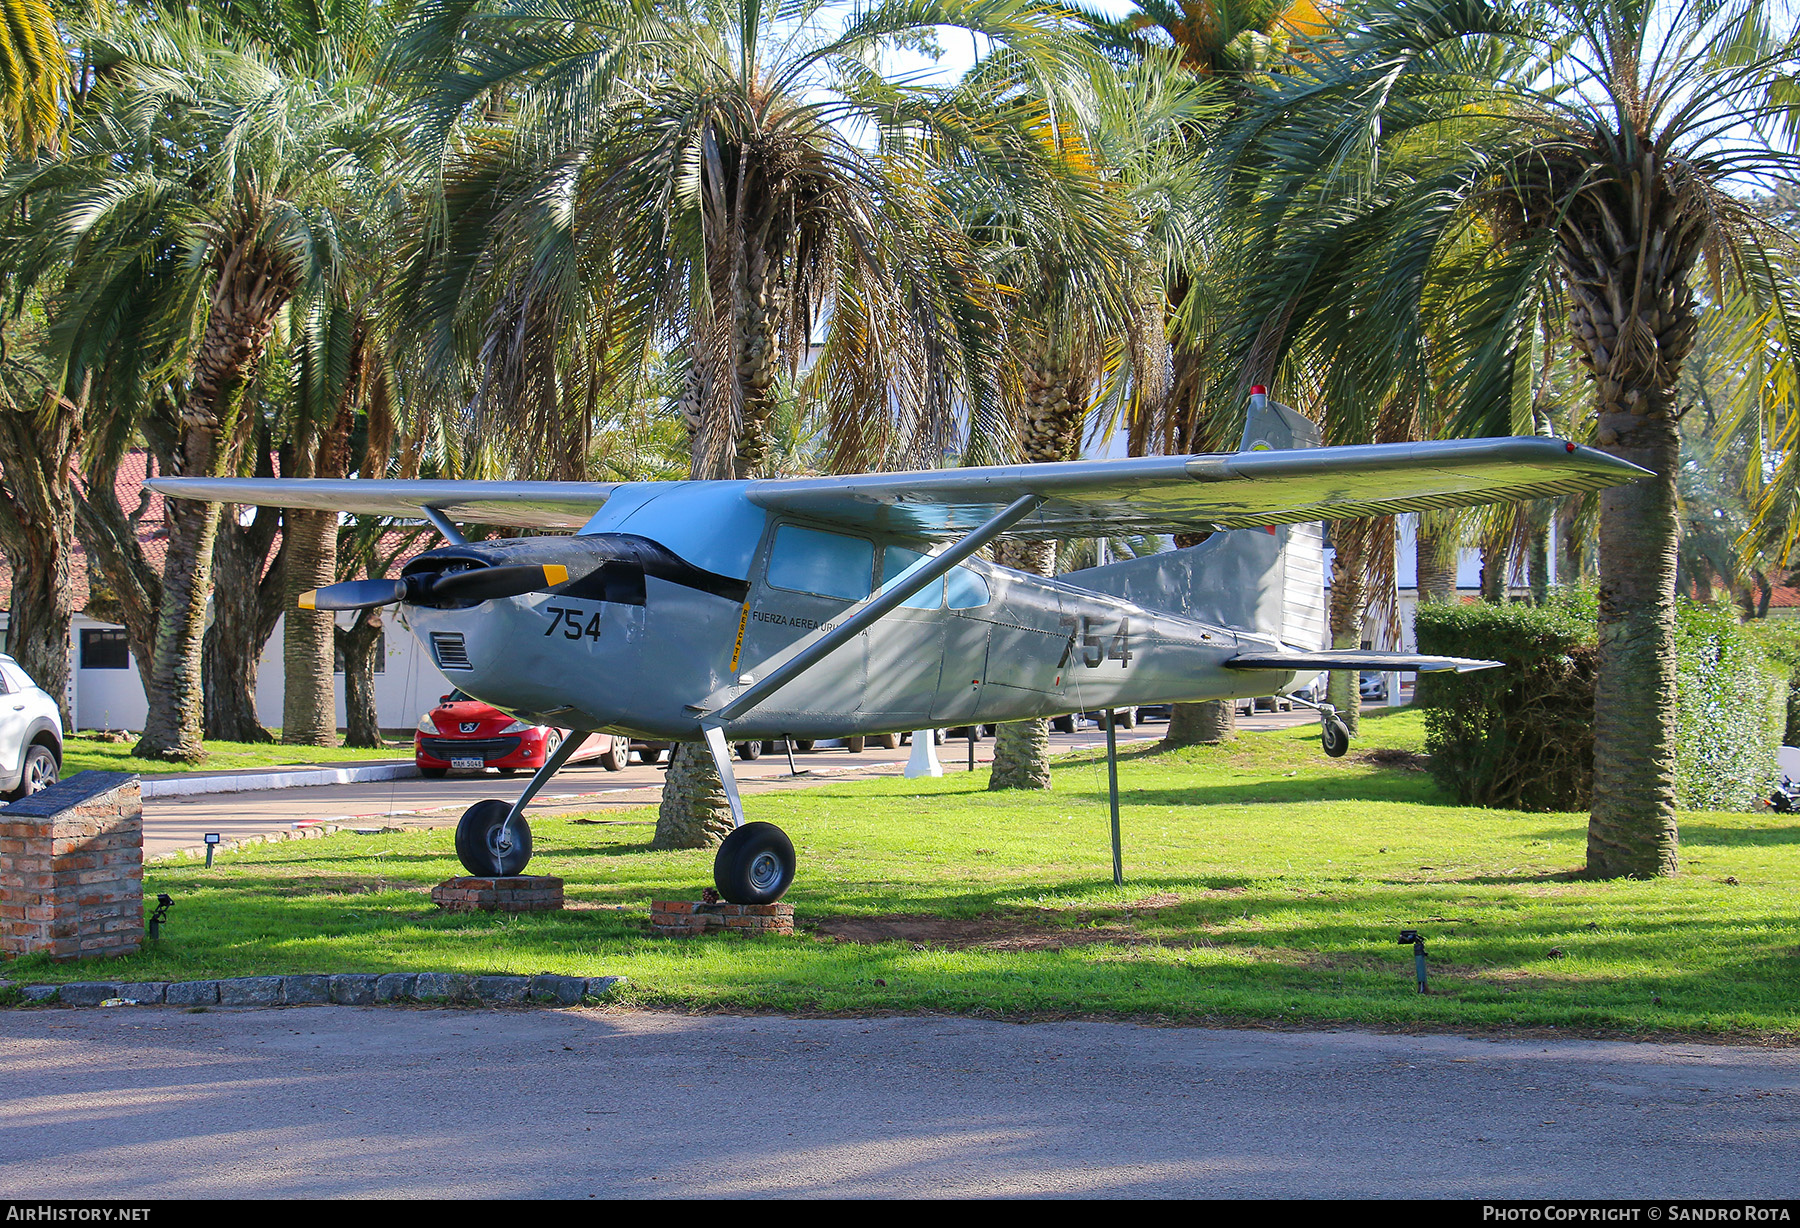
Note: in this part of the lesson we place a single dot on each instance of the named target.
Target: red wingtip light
(1257, 390)
(1568, 447)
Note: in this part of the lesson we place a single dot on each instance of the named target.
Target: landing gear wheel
(755, 865)
(803, 744)
(617, 754)
(886, 741)
(1335, 736)
(749, 750)
(478, 844)
(854, 745)
(650, 754)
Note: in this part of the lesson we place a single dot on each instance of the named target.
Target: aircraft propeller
(433, 588)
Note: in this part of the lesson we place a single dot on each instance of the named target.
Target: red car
(463, 732)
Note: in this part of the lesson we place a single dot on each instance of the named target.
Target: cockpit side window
(827, 564)
(896, 559)
(966, 589)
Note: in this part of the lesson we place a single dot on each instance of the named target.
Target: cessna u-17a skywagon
(731, 611)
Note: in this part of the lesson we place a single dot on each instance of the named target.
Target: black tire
(1334, 735)
(855, 745)
(476, 834)
(1062, 724)
(755, 865)
(886, 741)
(650, 755)
(508, 772)
(803, 744)
(749, 750)
(39, 772)
(434, 773)
(616, 756)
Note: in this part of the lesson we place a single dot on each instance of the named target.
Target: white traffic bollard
(924, 761)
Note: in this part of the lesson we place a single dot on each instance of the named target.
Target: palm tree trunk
(308, 704)
(1349, 597)
(694, 813)
(1206, 724)
(245, 609)
(1435, 552)
(1634, 324)
(37, 531)
(1054, 406)
(252, 287)
(359, 644)
(1568, 541)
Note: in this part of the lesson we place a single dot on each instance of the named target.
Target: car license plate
(468, 763)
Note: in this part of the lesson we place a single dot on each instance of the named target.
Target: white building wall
(410, 684)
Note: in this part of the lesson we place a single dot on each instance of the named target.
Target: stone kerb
(72, 869)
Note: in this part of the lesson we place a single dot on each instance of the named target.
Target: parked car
(1374, 687)
(462, 732)
(31, 745)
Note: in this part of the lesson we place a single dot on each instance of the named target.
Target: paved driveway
(339, 1101)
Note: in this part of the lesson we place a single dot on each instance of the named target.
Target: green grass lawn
(1263, 882)
(82, 751)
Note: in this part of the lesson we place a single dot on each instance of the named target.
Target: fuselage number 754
(1096, 649)
(570, 622)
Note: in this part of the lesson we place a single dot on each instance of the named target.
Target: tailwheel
(1335, 735)
(755, 865)
(479, 845)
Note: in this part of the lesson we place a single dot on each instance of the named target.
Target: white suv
(31, 745)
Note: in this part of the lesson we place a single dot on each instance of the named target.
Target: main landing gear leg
(1334, 735)
(493, 840)
(755, 864)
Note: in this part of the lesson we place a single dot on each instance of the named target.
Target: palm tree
(720, 178)
(34, 74)
(1478, 163)
(201, 192)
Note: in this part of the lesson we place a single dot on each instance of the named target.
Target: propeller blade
(353, 595)
(491, 583)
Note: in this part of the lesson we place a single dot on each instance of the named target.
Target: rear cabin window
(967, 590)
(827, 564)
(896, 559)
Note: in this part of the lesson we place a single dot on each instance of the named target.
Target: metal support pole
(972, 729)
(1112, 789)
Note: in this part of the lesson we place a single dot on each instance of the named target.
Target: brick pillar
(72, 869)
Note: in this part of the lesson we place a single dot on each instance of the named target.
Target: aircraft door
(808, 577)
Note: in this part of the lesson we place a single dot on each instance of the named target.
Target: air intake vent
(447, 647)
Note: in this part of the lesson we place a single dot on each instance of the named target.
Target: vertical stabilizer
(1268, 580)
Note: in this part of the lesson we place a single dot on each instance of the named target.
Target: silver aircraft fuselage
(733, 585)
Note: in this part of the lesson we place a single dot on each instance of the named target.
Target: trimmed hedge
(1522, 736)
(1730, 715)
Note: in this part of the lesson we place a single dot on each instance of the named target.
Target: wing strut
(801, 656)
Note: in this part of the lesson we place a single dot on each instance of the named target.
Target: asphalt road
(433, 1103)
(172, 823)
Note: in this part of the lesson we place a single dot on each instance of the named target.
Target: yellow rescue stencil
(738, 649)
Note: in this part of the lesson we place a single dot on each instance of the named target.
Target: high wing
(526, 505)
(1176, 494)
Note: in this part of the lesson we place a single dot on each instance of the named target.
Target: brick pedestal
(521, 893)
(684, 918)
(72, 869)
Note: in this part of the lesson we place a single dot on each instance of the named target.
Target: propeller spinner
(474, 584)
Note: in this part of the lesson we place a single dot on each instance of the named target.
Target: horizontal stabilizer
(1399, 662)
